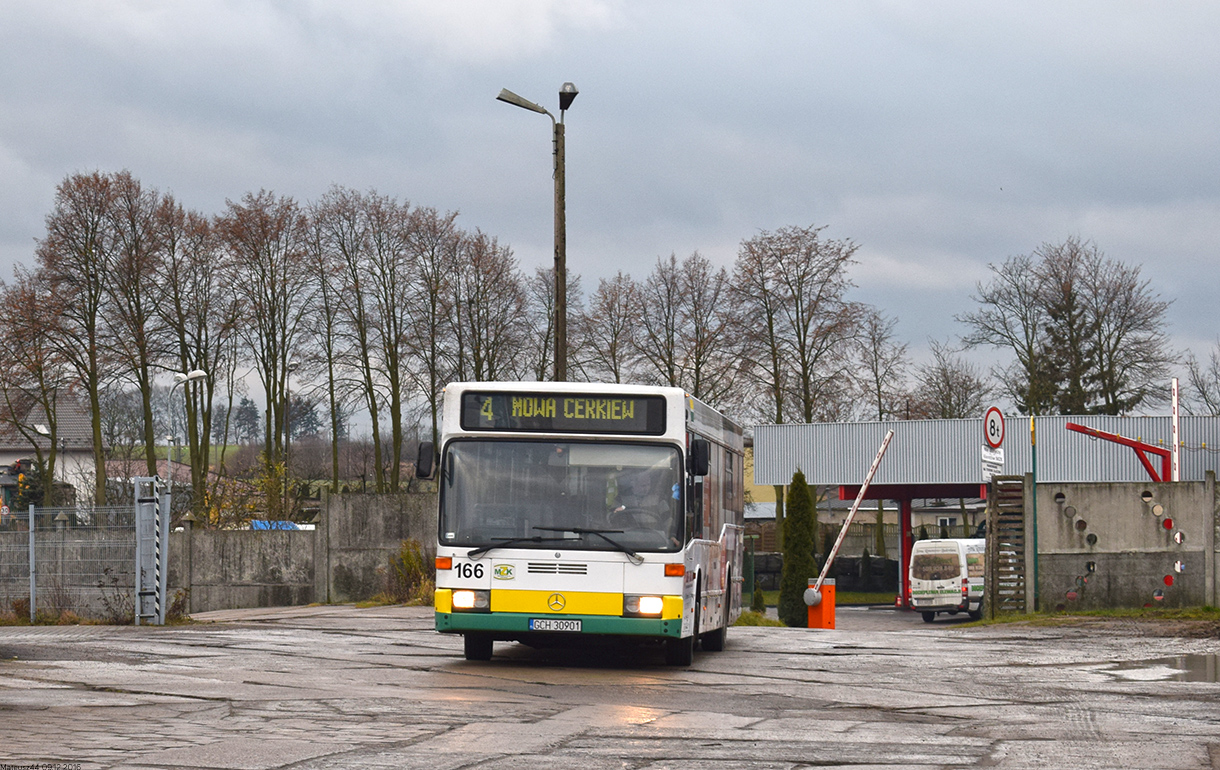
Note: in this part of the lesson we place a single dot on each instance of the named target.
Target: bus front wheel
(478, 646)
(680, 652)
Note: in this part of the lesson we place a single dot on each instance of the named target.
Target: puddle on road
(1179, 668)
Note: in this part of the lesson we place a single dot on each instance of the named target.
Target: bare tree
(342, 230)
(1010, 316)
(1087, 332)
(711, 359)
(883, 366)
(816, 320)
(1203, 383)
(1132, 352)
(660, 339)
(489, 302)
(267, 238)
(539, 345)
(199, 311)
(608, 329)
(790, 288)
(134, 287)
(323, 327)
(948, 387)
(36, 374)
(1070, 326)
(72, 259)
(389, 285)
(434, 241)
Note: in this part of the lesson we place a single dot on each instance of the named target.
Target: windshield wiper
(635, 557)
(507, 541)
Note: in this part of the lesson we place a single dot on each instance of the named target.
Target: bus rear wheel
(477, 646)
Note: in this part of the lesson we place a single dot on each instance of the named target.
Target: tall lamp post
(567, 93)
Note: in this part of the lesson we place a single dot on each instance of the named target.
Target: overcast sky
(940, 136)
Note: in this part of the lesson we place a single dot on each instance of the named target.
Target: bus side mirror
(700, 451)
(424, 460)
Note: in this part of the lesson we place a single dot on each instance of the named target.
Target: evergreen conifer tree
(799, 564)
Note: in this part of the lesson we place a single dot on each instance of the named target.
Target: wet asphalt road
(340, 687)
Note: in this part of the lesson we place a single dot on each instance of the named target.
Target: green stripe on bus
(518, 623)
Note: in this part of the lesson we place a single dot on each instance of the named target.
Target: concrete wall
(343, 560)
(361, 533)
(1103, 545)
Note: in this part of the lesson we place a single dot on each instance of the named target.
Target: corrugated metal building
(949, 451)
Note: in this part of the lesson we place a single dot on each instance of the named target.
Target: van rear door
(936, 576)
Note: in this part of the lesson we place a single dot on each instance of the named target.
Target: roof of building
(73, 427)
(950, 451)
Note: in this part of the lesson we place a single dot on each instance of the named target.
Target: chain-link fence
(84, 562)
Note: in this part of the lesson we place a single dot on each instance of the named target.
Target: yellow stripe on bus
(572, 603)
(442, 599)
(556, 602)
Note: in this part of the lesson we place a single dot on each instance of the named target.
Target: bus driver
(644, 502)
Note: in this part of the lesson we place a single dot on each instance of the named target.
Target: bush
(177, 607)
(799, 564)
(118, 605)
(866, 571)
(756, 619)
(758, 602)
(410, 578)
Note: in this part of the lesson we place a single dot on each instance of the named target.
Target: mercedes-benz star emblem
(556, 602)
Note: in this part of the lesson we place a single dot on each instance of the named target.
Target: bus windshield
(548, 494)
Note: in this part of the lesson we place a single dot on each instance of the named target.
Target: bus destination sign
(564, 413)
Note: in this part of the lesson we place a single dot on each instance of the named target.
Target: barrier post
(822, 609)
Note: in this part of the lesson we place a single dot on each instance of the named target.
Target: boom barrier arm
(1139, 446)
(830, 558)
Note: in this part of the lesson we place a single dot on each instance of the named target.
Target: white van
(947, 576)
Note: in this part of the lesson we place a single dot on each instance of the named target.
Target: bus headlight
(643, 605)
(472, 601)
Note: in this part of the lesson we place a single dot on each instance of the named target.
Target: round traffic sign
(993, 427)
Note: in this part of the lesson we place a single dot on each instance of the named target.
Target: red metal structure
(904, 494)
(1140, 450)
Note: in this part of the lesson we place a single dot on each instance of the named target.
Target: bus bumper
(516, 625)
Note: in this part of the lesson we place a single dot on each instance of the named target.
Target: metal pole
(33, 582)
(1033, 485)
(1176, 433)
(287, 437)
(561, 262)
(162, 555)
(136, 510)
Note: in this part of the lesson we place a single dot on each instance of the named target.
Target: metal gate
(108, 563)
(1007, 576)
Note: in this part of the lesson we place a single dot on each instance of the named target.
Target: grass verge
(749, 618)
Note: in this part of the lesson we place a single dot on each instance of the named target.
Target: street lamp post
(180, 378)
(567, 93)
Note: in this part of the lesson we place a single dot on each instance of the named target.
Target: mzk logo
(503, 572)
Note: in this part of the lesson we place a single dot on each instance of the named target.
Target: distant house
(22, 438)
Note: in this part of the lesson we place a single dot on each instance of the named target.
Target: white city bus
(572, 510)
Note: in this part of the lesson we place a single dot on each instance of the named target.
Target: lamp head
(567, 93)
(511, 98)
